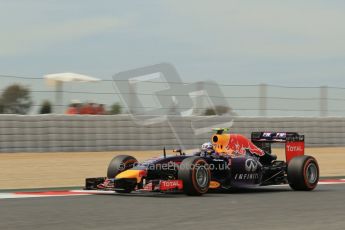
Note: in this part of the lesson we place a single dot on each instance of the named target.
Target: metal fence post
(263, 100)
(323, 101)
(132, 106)
(58, 108)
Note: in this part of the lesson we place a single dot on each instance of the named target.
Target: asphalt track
(261, 208)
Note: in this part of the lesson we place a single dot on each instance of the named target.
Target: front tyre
(303, 173)
(119, 164)
(196, 176)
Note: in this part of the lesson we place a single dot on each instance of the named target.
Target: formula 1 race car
(234, 162)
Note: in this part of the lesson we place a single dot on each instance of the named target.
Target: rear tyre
(119, 164)
(303, 173)
(196, 176)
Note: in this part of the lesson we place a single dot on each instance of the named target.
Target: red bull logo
(234, 144)
(238, 144)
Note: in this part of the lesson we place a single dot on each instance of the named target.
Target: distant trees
(15, 99)
(115, 109)
(46, 107)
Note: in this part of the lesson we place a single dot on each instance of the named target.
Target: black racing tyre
(119, 164)
(303, 173)
(196, 176)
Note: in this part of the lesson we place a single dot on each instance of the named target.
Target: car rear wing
(294, 143)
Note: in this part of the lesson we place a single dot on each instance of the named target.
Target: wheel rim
(201, 176)
(312, 173)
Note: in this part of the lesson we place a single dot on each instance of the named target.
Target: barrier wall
(51, 133)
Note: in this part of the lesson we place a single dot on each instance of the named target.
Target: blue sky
(242, 42)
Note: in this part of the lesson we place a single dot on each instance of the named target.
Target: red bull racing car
(228, 161)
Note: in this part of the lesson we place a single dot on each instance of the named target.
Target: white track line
(95, 192)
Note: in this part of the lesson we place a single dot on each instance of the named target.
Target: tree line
(16, 99)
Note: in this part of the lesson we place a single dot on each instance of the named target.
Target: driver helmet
(207, 147)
